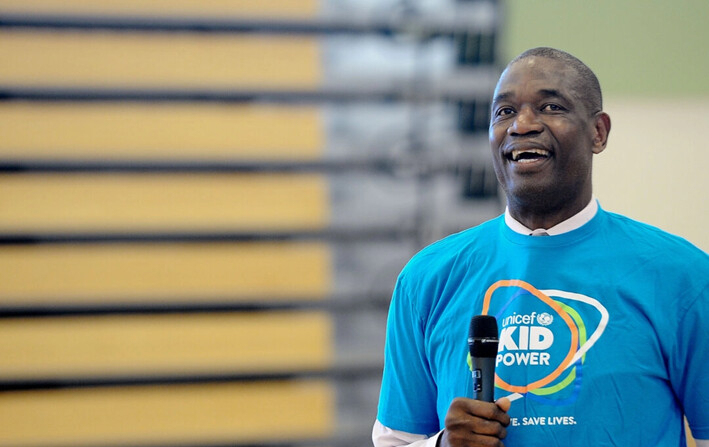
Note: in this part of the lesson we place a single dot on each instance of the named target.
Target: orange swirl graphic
(561, 312)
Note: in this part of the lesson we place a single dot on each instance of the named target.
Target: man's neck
(545, 217)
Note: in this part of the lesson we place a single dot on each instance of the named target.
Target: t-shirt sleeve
(690, 365)
(407, 400)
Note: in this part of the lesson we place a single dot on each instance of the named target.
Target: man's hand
(474, 423)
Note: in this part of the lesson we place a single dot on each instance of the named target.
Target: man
(603, 338)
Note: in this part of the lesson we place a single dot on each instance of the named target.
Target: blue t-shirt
(603, 333)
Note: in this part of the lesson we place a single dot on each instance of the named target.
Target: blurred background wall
(204, 204)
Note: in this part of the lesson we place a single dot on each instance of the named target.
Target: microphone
(483, 341)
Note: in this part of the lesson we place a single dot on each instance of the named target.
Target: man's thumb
(504, 404)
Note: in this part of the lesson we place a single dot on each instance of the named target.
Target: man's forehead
(533, 63)
(538, 69)
(543, 76)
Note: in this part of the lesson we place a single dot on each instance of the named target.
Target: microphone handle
(484, 378)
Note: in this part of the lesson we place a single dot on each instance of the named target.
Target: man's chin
(535, 196)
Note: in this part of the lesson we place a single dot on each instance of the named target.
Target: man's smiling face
(543, 136)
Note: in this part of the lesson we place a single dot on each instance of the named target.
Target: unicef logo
(552, 360)
(545, 319)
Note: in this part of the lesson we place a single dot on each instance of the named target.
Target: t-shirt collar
(576, 221)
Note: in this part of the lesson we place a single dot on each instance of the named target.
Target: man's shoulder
(438, 262)
(653, 242)
(650, 234)
(447, 250)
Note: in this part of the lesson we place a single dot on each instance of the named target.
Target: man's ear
(602, 128)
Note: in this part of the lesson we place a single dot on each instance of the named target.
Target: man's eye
(504, 111)
(552, 108)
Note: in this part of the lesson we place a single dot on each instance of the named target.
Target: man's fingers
(452, 440)
(485, 410)
(504, 404)
(477, 417)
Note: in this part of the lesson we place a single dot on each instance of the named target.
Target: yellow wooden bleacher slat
(167, 415)
(148, 345)
(190, 8)
(165, 272)
(149, 131)
(162, 202)
(157, 60)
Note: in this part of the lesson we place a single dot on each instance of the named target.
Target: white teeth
(517, 152)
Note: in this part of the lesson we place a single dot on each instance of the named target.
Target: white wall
(655, 166)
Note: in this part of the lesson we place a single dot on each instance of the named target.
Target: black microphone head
(483, 326)
(482, 337)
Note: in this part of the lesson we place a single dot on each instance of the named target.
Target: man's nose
(525, 122)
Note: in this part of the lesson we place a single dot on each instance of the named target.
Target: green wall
(636, 47)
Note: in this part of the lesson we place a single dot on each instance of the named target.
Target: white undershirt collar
(576, 221)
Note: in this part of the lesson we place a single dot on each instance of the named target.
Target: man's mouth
(528, 155)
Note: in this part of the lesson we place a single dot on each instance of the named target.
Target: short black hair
(587, 83)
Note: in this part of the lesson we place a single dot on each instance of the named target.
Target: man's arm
(386, 437)
(688, 360)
